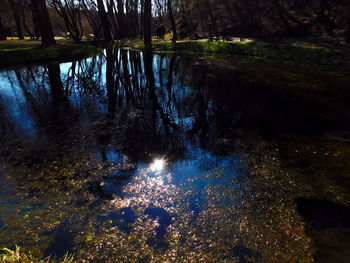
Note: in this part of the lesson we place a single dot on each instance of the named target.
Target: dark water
(129, 157)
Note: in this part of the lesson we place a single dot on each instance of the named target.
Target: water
(129, 157)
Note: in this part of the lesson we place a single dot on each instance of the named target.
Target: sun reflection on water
(158, 165)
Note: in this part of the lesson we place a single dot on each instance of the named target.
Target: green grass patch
(16, 47)
(13, 53)
(313, 55)
(17, 38)
(19, 256)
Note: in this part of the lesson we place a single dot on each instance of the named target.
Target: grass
(15, 47)
(28, 38)
(19, 256)
(330, 57)
(12, 53)
(333, 57)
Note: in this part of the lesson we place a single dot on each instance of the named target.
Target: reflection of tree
(152, 100)
(56, 85)
(84, 76)
(154, 109)
(6, 127)
(111, 82)
(157, 107)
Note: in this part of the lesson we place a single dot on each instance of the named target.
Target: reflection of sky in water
(16, 105)
(85, 85)
(111, 155)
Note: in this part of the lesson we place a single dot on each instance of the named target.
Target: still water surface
(127, 157)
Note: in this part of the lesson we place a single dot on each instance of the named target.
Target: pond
(133, 157)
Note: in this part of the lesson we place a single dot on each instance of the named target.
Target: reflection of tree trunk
(148, 59)
(6, 124)
(56, 85)
(135, 60)
(111, 88)
(26, 93)
(126, 76)
(60, 108)
(46, 31)
(170, 80)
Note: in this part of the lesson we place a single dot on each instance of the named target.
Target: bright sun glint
(157, 165)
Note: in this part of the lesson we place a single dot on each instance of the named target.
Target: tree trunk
(283, 19)
(121, 19)
(104, 20)
(142, 15)
(35, 21)
(136, 17)
(325, 20)
(347, 31)
(113, 14)
(16, 16)
(147, 17)
(24, 23)
(2, 30)
(46, 32)
(172, 20)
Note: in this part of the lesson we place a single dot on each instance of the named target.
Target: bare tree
(90, 10)
(46, 32)
(71, 13)
(104, 20)
(147, 17)
(16, 15)
(172, 20)
(2, 30)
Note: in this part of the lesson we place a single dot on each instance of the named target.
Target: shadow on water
(123, 219)
(329, 224)
(62, 241)
(322, 214)
(129, 156)
(164, 220)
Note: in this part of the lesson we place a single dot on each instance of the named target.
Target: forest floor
(13, 52)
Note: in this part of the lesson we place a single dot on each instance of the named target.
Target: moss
(12, 54)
